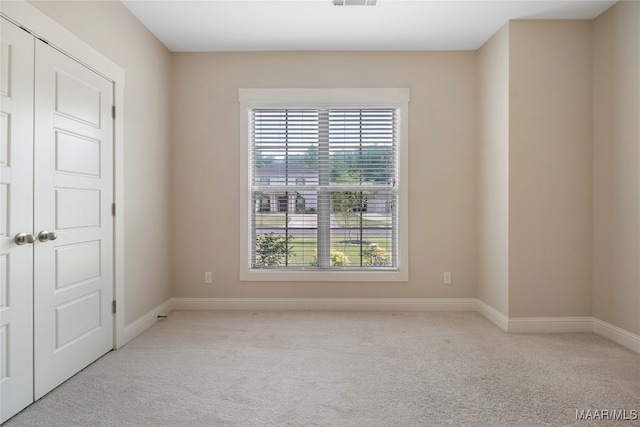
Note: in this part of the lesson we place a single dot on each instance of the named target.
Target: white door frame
(29, 17)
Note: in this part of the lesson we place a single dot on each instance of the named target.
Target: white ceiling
(262, 25)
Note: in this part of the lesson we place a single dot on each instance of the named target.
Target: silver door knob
(45, 236)
(23, 239)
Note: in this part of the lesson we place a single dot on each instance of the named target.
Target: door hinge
(113, 306)
(113, 209)
(113, 111)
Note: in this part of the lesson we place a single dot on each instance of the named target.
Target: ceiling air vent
(354, 2)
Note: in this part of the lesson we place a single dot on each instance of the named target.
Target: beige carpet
(344, 369)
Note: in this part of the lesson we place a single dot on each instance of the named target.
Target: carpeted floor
(345, 369)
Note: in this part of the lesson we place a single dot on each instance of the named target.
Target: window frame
(325, 98)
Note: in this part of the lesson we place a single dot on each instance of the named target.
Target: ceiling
(264, 25)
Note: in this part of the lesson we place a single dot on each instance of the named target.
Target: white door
(73, 274)
(16, 217)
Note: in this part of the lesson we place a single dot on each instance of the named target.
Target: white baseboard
(511, 325)
(143, 323)
(616, 334)
(326, 304)
(543, 325)
(497, 318)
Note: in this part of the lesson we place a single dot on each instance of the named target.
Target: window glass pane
(362, 228)
(362, 146)
(286, 238)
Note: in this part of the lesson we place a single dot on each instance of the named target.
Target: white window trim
(330, 98)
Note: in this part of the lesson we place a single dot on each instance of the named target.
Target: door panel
(16, 216)
(73, 280)
(77, 99)
(77, 155)
(77, 264)
(77, 209)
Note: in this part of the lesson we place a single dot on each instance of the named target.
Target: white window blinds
(323, 188)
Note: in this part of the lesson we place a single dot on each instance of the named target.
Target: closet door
(16, 217)
(73, 258)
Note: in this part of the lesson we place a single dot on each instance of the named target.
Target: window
(324, 188)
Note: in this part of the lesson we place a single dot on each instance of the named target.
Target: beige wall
(550, 168)
(535, 169)
(616, 198)
(111, 29)
(530, 200)
(493, 171)
(442, 165)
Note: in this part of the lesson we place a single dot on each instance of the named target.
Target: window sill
(400, 275)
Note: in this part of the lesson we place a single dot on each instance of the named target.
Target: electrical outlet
(447, 277)
(208, 277)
